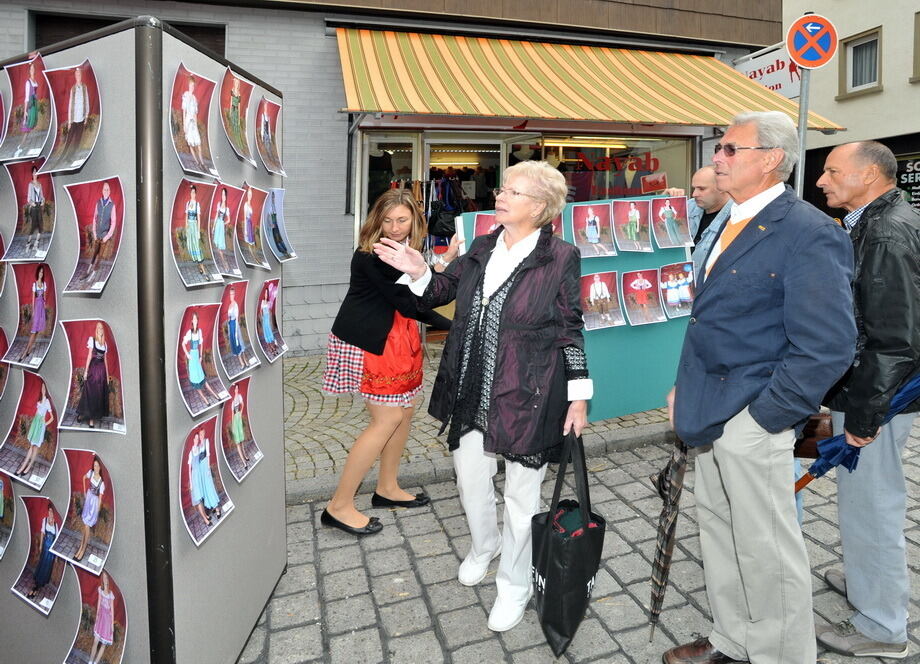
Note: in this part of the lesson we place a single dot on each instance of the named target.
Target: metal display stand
(185, 603)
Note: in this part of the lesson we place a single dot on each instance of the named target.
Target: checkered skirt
(344, 370)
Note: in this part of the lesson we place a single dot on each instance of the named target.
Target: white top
(43, 407)
(747, 210)
(79, 104)
(192, 336)
(49, 527)
(189, 106)
(599, 291)
(95, 482)
(91, 343)
(237, 401)
(233, 311)
(36, 194)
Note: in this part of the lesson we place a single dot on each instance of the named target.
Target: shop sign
(909, 178)
(773, 69)
(645, 162)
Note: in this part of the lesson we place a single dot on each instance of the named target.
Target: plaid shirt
(852, 218)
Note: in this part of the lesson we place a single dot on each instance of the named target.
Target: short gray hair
(548, 183)
(873, 152)
(775, 129)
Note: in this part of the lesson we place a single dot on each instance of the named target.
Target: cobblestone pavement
(393, 597)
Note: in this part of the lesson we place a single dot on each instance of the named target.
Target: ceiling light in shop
(584, 144)
(455, 163)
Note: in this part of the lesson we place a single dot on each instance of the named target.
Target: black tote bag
(567, 544)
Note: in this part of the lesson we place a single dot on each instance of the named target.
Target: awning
(429, 74)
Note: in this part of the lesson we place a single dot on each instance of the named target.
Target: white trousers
(475, 469)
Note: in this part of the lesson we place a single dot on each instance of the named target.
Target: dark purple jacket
(541, 316)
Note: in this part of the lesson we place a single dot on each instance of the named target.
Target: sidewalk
(394, 598)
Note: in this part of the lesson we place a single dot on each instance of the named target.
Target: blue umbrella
(835, 451)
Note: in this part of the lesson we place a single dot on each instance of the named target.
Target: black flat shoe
(373, 526)
(420, 500)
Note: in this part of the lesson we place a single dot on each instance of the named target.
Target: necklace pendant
(485, 301)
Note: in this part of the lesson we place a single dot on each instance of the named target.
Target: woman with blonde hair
(375, 351)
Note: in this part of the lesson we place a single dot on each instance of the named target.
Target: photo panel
(196, 367)
(203, 499)
(267, 330)
(678, 288)
(86, 536)
(484, 223)
(234, 346)
(274, 228)
(40, 579)
(30, 447)
(670, 223)
(4, 366)
(248, 222)
(241, 451)
(234, 111)
(35, 211)
(600, 301)
(29, 119)
(630, 225)
(640, 297)
(102, 628)
(225, 204)
(37, 315)
(99, 212)
(78, 116)
(267, 118)
(95, 400)
(7, 512)
(188, 235)
(189, 110)
(591, 230)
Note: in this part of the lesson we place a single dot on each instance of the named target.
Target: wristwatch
(442, 261)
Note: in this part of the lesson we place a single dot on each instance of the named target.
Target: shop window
(52, 28)
(861, 64)
(388, 162)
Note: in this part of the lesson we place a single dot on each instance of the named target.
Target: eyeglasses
(730, 148)
(512, 192)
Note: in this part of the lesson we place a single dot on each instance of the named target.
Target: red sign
(811, 41)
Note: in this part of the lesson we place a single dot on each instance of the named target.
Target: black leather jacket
(886, 297)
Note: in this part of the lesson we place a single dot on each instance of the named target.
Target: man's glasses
(512, 192)
(730, 149)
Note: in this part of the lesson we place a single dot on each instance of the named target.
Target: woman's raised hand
(403, 257)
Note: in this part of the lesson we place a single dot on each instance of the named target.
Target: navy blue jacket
(771, 327)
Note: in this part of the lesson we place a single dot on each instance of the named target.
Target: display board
(633, 363)
(111, 372)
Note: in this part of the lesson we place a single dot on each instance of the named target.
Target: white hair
(548, 183)
(775, 129)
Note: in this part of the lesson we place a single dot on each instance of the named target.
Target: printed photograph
(30, 446)
(268, 116)
(234, 109)
(86, 536)
(484, 223)
(103, 624)
(630, 225)
(35, 212)
(273, 227)
(241, 452)
(2, 265)
(640, 297)
(196, 367)
(190, 104)
(7, 512)
(677, 288)
(591, 230)
(99, 212)
(29, 119)
(600, 301)
(94, 401)
(78, 116)
(37, 315)
(557, 226)
(4, 366)
(669, 222)
(40, 579)
(191, 244)
(225, 204)
(248, 223)
(203, 498)
(267, 330)
(234, 346)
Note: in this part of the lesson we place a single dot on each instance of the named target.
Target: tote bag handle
(572, 448)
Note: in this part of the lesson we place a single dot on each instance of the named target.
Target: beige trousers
(757, 574)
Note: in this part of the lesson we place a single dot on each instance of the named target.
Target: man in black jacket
(860, 177)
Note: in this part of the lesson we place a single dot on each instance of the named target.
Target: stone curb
(439, 470)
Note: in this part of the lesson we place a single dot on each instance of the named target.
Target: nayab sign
(773, 69)
(645, 162)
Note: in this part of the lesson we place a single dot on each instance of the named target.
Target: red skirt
(399, 369)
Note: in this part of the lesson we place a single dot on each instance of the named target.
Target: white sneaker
(471, 573)
(506, 614)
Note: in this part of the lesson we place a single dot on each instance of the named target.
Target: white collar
(752, 206)
(520, 249)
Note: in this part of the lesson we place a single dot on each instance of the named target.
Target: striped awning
(429, 74)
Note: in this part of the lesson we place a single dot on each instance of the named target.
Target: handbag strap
(573, 448)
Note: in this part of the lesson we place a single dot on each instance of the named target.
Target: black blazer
(366, 315)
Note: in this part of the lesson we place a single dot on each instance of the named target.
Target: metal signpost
(811, 42)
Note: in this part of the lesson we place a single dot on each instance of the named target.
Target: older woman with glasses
(513, 376)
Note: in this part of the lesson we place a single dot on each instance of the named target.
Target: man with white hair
(753, 367)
